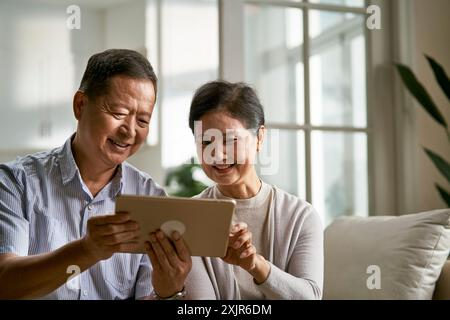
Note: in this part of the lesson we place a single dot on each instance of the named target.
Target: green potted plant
(183, 181)
(421, 95)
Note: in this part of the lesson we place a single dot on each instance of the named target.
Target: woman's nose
(220, 153)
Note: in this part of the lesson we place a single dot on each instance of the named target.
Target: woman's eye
(143, 121)
(206, 143)
(231, 141)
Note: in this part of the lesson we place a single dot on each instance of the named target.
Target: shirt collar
(67, 162)
(117, 182)
(69, 169)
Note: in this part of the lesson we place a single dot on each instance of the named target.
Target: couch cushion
(386, 257)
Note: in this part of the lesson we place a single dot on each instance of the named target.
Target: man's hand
(109, 234)
(171, 261)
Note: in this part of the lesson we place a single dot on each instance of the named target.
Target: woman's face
(226, 148)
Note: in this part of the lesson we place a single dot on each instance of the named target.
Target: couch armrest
(442, 290)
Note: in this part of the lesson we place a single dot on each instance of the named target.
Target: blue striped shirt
(44, 205)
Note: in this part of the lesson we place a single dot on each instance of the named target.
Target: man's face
(112, 127)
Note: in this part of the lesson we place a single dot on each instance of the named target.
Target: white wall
(29, 30)
(126, 27)
(432, 36)
(35, 89)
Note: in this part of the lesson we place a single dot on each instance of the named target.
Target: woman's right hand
(171, 261)
(241, 251)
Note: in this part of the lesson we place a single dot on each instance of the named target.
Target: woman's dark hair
(239, 100)
(113, 62)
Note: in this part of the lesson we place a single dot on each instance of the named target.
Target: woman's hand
(242, 252)
(171, 261)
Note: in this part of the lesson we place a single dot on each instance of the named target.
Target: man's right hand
(109, 234)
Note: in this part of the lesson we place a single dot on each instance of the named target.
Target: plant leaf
(444, 194)
(441, 76)
(420, 93)
(441, 164)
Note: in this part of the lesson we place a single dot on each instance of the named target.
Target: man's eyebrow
(111, 106)
(145, 113)
(125, 106)
(118, 105)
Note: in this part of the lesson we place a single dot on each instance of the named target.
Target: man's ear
(79, 104)
(261, 135)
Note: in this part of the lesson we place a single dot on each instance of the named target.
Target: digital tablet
(203, 223)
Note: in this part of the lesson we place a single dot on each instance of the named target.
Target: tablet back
(206, 222)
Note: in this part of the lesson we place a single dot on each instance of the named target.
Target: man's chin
(115, 160)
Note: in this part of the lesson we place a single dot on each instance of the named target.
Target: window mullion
(308, 156)
(370, 110)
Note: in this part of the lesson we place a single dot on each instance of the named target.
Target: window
(307, 61)
(189, 58)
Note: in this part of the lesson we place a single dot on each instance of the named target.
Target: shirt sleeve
(14, 227)
(303, 279)
(144, 287)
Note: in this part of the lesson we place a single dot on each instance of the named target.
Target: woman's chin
(224, 179)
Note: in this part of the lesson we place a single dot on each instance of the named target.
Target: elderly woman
(276, 247)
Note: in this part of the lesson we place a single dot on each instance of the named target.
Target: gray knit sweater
(293, 242)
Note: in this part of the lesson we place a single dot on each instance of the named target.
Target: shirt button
(84, 292)
(90, 207)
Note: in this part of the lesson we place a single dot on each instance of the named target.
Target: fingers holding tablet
(171, 226)
(171, 262)
(108, 234)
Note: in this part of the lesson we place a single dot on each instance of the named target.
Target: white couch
(388, 257)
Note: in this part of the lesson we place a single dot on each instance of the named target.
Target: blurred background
(344, 134)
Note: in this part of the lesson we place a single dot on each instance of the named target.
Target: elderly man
(56, 207)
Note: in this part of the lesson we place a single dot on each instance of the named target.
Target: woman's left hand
(241, 251)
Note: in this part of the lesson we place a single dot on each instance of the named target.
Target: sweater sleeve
(303, 277)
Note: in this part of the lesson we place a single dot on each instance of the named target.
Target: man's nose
(129, 128)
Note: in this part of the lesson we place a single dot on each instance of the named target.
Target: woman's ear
(79, 103)
(261, 135)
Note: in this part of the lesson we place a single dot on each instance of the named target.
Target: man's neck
(95, 177)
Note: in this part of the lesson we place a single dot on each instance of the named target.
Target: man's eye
(119, 115)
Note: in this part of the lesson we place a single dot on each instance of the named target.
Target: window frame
(385, 171)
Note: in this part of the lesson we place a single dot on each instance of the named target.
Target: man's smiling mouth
(119, 144)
